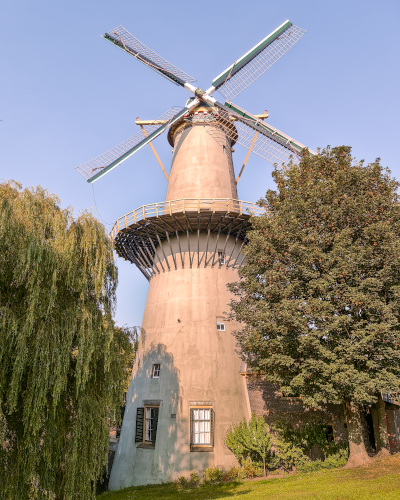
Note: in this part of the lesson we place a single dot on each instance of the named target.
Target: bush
(235, 473)
(251, 469)
(334, 461)
(192, 482)
(252, 441)
(214, 475)
(290, 455)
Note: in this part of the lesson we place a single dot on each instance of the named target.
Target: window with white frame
(155, 372)
(220, 326)
(149, 424)
(201, 426)
(221, 258)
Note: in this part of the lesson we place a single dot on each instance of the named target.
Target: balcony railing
(210, 205)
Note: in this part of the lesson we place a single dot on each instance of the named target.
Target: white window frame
(201, 430)
(155, 373)
(221, 326)
(148, 424)
(221, 257)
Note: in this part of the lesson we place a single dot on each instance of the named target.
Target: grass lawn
(379, 481)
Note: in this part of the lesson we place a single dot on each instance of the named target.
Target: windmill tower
(186, 388)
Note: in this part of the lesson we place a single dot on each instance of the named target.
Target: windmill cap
(202, 107)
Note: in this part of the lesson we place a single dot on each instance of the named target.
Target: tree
(251, 440)
(319, 292)
(62, 360)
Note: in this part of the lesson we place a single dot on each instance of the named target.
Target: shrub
(290, 455)
(214, 475)
(252, 469)
(192, 482)
(334, 461)
(234, 441)
(252, 440)
(235, 473)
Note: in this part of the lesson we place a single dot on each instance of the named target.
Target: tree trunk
(358, 453)
(383, 435)
(264, 466)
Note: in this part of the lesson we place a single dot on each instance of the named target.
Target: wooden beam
(179, 245)
(170, 247)
(262, 117)
(162, 248)
(234, 246)
(154, 248)
(240, 249)
(188, 241)
(208, 236)
(154, 122)
(155, 154)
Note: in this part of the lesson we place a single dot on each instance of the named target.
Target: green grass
(379, 481)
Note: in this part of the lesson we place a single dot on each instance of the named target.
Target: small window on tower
(220, 326)
(221, 258)
(155, 371)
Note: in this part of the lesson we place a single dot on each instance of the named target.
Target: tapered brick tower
(186, 389)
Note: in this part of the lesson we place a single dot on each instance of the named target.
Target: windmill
(187, 387)
(270, 143)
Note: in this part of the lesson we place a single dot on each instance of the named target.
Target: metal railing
(210, 205)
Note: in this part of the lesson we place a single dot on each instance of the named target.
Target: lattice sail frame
(100, 163)
(234, 85)
(125, 40)
(266, 147)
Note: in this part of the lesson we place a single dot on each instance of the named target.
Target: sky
(67, 95)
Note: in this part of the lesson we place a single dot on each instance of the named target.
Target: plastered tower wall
(201, 168)
(198, 363)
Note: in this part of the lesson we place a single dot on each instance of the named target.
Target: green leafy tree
(62, 360)
(251, 440)
(319, 292)
(308, 435)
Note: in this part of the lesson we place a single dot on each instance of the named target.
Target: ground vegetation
(379, 480)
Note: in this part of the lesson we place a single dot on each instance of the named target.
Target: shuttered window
(139, 425)
(154, 412)
(146, 424)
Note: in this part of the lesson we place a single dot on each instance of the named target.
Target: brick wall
(266, 400)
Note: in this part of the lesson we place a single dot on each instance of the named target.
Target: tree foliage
(319, 292)
(309, 434)
(62, 360)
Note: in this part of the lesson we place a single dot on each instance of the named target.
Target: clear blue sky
(67, 95)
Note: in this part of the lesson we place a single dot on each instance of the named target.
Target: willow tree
(319, 293)
(62, 360)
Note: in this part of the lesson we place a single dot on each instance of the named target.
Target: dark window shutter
(212, 428)
(139, 425)
(191, 425)
(154, 416)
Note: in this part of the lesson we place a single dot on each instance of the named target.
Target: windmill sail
(256, 61)
(242, 127)
(99, 166)
(126, 41)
